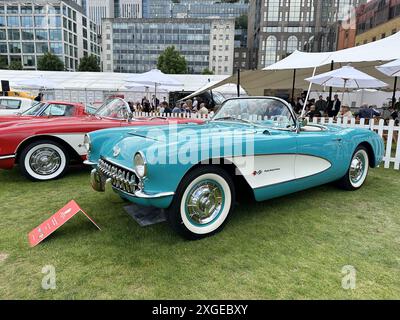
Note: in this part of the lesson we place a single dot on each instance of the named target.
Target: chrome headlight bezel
(140, 164)
(87, 143)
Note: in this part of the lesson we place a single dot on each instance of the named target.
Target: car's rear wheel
(43, 160)
(358, 170)
(202, 203)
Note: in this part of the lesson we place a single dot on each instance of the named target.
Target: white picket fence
(389, 131)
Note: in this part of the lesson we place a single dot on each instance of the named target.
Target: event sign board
(45, 229)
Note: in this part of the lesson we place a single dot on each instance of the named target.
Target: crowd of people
(154, 105)
(334, 108)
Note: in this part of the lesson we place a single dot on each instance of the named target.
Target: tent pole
(308, 94)
(238, 82)
(394, 92)
(293, 85)
(330, 88)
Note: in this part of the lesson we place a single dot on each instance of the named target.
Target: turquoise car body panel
(334, 144)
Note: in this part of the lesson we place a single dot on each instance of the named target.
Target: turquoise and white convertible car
(254, 144)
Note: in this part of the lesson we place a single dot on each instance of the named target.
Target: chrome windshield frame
(293, 115)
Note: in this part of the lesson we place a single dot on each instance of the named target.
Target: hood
(162, 133)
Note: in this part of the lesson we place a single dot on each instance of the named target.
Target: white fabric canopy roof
(154, 77)
(346, 77)
(39, 82)
(392, 69)
(108, 81)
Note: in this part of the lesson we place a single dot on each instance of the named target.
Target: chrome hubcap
(45, 161)
(205, 202)
(357, 168)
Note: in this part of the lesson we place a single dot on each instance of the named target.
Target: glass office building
(193, 8)
(134, 45)
(28, 29)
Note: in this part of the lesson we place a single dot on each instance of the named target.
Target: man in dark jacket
(367, 112)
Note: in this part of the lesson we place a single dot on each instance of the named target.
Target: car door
(319, 153)
(273, 161)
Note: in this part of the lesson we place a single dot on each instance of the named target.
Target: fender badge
(116, 151)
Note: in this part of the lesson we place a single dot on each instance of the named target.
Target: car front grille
(121, 178)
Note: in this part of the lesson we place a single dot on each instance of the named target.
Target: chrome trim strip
(11, 156)
(90, 163)
(143, 195)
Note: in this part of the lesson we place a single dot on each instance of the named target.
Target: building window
(27, 34)
(12, 9)
(14, 47)
(42, 47)
(28, 47)
(40, 21)
(13, 34)
(41, 34)
(273, 11)
(27, 22)
(13, 21)
(270, 50)
(292, 44)
(55, 34)
(29, 61)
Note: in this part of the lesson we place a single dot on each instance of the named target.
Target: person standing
(154, 102)
(195, 104)
(203, 109)
(320, 104)
(336, 105)
(39, 97)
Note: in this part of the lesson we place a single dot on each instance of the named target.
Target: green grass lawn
(289, 248)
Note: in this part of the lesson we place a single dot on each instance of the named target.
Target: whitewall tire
(358, 170)
(43, 160)
(202, 203)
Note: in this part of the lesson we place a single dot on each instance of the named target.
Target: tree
(241, 22)
(3, 62)
(50, 62)
(15, 65)
(89, 63)
(172, 62)
(207, 71)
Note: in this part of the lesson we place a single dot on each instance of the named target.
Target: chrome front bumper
(103, 183)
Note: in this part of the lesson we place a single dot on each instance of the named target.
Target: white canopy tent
(95, 86)
(302, 64)
(391, 69)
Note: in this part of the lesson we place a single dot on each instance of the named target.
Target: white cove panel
(264, 170)
(310, 165)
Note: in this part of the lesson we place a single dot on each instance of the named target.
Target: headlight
(140, 165)
(86, 143)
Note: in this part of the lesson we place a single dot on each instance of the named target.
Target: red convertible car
(50, 109)
(43, 148)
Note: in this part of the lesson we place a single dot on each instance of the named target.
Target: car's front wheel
(358, 170)
(43, 160)
(202, 203)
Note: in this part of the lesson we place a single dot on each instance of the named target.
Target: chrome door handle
(337, 139)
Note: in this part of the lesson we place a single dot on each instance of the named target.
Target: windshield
(262, 111)
(34, 110)
(114, 108)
